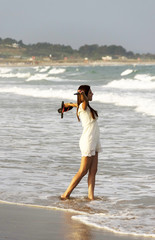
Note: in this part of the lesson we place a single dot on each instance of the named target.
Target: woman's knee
(85, 166)
(83, 172)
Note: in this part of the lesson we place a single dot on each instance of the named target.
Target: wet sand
(29, 223)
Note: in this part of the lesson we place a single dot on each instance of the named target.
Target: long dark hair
(86, 89)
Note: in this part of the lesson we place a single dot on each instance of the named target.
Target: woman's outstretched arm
(70, 104)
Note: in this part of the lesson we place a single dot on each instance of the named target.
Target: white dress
(89, 141)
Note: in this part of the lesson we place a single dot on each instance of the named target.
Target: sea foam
(56, 71)
(40, 93)
(127, 72)
(139, 82)
(115, 224)
(15, 75)
(141, 104)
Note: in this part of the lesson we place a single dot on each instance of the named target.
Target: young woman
(89, 141)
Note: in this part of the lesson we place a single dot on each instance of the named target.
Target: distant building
(15, 45)
(123, 58)
(107, 58)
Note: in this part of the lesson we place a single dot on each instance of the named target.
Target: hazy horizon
(123, 23)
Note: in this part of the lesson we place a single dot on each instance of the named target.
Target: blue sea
(39, 151)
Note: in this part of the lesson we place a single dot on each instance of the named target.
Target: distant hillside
(17, 49)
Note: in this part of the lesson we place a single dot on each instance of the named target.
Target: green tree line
(58, 51)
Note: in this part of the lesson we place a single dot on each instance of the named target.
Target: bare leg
(91, 177)
(85, 165)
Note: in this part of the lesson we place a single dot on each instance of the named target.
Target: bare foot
(64, 197)
(91, 198)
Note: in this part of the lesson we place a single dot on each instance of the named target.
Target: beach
(33, 223)
(39, 153)
(114, 62)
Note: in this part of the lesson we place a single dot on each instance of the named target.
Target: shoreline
(27, 222)
(75, 63)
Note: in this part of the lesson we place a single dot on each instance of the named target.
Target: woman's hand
(66, 104)
(84, 99)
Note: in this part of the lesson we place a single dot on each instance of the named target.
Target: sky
(126, 23)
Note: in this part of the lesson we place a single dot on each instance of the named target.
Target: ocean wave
(37, 76)
(117, 224)
(139, 82)
(141, 104)
(145, 77)
(42, 77)
(36, 92)
(15, 75)
(44, 69)
(56, 71)
(127, 72)
(4, 70)
(39, 73)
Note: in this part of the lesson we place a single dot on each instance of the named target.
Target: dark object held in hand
(63, 109)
